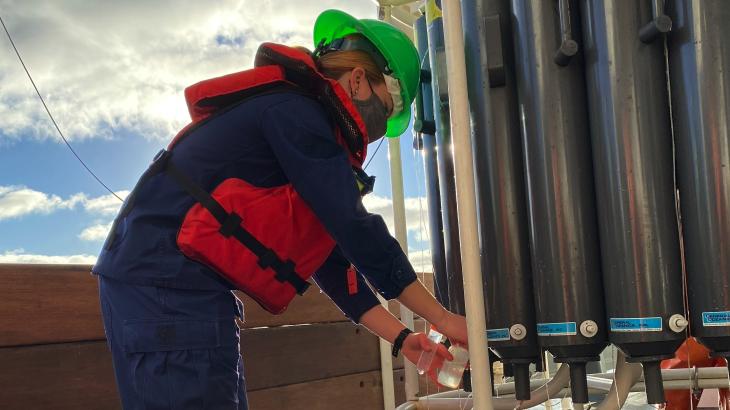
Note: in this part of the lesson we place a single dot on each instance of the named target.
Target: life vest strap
(228, 227)
(231, 226)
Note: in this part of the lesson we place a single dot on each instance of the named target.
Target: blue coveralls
(169, 321)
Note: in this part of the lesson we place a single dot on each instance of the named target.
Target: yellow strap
(433, 12)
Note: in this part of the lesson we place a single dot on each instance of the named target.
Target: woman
(261, 191)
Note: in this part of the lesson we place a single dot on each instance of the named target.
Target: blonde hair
(336, 63)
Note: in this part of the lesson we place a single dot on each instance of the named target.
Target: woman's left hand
(417, 298)
(417, 344)
(454, 327)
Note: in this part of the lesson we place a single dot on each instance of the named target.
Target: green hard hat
(397, 49)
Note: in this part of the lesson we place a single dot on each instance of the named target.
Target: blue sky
(116, 91)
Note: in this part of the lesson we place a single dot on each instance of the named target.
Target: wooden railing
(53, 353)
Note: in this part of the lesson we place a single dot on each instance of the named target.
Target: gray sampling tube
(635, 190)
(503, 229)
(425, 128)
(561, 201)
(699, 66)
(445, 159)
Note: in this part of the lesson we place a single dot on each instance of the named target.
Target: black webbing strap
(231, 226)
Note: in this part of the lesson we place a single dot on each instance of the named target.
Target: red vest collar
(278, 64)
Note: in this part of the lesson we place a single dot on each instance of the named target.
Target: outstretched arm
(382, 323)
(418, 299)
(304, 144)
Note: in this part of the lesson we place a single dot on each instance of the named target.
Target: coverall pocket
(184, 364)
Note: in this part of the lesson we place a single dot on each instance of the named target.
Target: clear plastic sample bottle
(452, 370)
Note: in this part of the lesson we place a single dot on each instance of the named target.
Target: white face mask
(393, 86)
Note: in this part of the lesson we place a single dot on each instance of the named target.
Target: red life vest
(230, 229)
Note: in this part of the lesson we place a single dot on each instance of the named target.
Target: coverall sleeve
(332, 280)
(300, 135)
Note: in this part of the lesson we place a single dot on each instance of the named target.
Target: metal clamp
(420, 123)
(568, 47)
(495, 53)
(661, 23)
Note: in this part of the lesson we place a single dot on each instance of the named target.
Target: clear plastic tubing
(424, 362)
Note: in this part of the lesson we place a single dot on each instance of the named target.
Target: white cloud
(416, 223)
(18, 201)
(421, 260)
(19, 256)
(105, 204)
(416, 214)
(96, 232)
(109, 65)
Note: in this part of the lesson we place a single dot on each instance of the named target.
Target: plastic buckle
(269, 258)
(285, 271)
(365, 183)
(230, 225)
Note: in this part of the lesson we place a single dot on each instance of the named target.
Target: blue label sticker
(715, 318)
(556, 329)
(636, 324)
(496, 335)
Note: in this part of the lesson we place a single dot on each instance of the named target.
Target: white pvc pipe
(466, 204)
(386, 368)
(599, 383)
(403, 15)
(682, 374)
(449, 394)
(401, 234)
(627, 377)
(386, 358)
(394, 3)
(508, 389)
(540, 395)
(627, 374)
(600, 387)
(546, 376)
(410, 405)
(459, 400)
(405, 28)
(397, 18)
(709, 372)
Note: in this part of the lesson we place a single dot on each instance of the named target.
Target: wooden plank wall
(53, 352)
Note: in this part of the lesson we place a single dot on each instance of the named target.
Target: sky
(112, 74)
